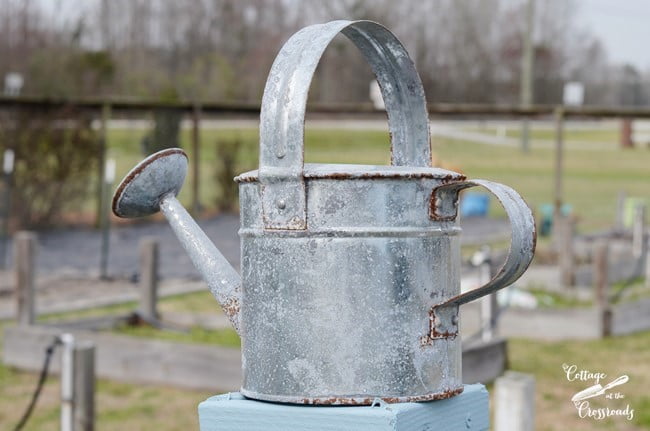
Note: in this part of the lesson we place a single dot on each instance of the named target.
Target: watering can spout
(152, 186)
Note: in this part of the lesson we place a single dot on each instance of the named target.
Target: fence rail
(251, 109)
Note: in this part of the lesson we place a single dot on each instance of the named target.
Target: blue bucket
(474, 205)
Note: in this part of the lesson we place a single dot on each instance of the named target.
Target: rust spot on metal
(366, 401)
(433, 207)
(446, 334)
(245, 179)
(231, 307)
(453, 184)
(534, 240)
(136, 171)
(446, 179)
(381, 175)
(449, 178)
(448, 393)
(434, 333)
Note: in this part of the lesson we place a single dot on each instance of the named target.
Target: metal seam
(352, 233)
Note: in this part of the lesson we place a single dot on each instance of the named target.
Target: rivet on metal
(281, 203)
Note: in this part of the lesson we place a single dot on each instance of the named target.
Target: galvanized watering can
(350, 274)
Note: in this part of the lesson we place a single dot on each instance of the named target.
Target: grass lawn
(591, 183)
(628, 355)
(592, 179)
(197, 302)
(595, 135)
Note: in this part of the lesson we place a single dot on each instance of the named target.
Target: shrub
(229, 164)
(167, 125)
(56, 153)
(166, 131)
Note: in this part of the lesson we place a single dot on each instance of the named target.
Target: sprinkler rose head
(159, 175)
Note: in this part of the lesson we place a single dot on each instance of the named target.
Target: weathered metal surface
(350, 274)
(364, 172)
(283, 111)
(444, 316)
(522, 241)
(223, 280)
(160, 174)
(335, 313)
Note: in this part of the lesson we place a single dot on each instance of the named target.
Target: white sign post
(376, 97)
(573, 94)
(109, 177)
(7, 170)
(8, 161)
(13, 84)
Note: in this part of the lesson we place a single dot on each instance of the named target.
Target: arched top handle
(285, 98)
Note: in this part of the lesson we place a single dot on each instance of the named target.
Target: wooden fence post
(24, 252)
(601, 286)
(638, 231)
(514, 395)
(84, 387)
(559, 165)
(647, 263)
(149, 279)
(105, 218)
(101, 160)
(619, 223)
(626, 133)
(196, 159)
(566, 233)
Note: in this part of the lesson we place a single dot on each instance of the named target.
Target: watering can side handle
(443, 317)
(522, 243)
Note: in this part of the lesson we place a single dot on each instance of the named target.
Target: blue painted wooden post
(233, 412)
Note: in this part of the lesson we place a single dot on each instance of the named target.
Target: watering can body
(339, 312)
(350, 282)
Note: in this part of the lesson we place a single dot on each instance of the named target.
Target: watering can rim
(344, 171)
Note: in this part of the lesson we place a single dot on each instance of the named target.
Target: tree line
(467, 51)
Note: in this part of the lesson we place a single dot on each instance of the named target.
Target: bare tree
(465, 50)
